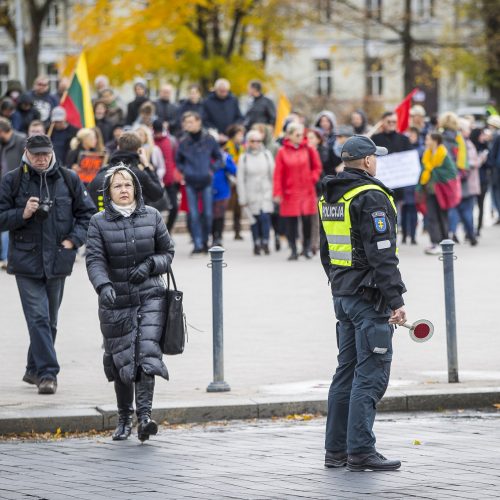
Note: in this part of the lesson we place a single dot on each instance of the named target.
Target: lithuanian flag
(77, 101)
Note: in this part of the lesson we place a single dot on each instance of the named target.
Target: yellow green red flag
(77, 101)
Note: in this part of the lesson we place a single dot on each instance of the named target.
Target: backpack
(65, 174)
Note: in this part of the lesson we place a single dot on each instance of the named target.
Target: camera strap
(65, 174)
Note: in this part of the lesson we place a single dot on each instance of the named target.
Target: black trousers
(172, 191)
(437, 221)
(292, 231)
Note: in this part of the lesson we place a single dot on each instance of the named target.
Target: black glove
(141, 272)
(107, 295)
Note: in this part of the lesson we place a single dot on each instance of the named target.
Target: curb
(104, 417)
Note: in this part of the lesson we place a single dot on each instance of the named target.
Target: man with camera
(47, 210)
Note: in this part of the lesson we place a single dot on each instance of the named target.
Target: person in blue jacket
(221, 186)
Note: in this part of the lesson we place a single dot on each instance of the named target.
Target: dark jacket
(151, 187)
(198, 156)
(167, 112)
(132, 327)
(11, 153)
(106, 128)
(262, 110)
(393, 141)
(220, 113)
(22, 118)
(35, 247)
(374, 270)
(133, 109)
(61, 140)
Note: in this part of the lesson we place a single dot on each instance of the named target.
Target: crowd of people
(203, 156)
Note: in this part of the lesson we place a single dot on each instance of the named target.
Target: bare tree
(37, 12)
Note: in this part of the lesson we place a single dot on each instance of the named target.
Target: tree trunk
(407, 40)
(37, 16)
(491, 18)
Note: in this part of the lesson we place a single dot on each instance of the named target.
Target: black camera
(43, 209)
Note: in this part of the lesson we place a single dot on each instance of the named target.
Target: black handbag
(175, 329)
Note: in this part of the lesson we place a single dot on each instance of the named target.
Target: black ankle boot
(144, 390)
(124, 399)
(123, 429)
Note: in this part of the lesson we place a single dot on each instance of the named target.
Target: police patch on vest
(380, 221)
(332, 211)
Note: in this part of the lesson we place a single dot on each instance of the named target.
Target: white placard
(399, 169)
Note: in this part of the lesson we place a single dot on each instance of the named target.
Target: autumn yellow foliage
(185, 40)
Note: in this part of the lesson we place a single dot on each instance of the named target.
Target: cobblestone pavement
(457, 458)
(276, 314)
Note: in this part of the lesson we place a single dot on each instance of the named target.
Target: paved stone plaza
(279, 329)
(457, 458)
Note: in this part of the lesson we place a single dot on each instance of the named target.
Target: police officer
(46, 210)
(359, 255)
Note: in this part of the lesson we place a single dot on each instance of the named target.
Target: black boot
(124, 399)
(294, 255)
(144, 390)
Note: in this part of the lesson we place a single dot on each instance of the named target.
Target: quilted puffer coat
(132, 326)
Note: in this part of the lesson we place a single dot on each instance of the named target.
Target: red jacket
(171, 173)
(295, 176)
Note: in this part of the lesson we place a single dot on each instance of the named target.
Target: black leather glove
(107, 295)
(141, 272)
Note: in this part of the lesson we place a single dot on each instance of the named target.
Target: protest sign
(89, 164)
(399, 170)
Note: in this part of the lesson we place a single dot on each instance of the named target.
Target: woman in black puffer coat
(128, 249)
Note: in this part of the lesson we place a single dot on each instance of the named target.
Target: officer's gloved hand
(107, 295)
(141, 272)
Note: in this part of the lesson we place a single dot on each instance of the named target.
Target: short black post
(217, 264)
(449, 299)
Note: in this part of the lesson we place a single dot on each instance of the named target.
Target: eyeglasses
(254, 140)
(392, 121)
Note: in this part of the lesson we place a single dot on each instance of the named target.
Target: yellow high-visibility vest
(336, 221)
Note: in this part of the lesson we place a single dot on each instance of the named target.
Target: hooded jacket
(375, 263)
(35, 249)
(22, 118)
(329, 137)
(133, 326)
(151, 187)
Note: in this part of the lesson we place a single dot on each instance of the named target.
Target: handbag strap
(170, 274)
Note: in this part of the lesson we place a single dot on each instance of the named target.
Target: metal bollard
(217, 263)
(449, 298)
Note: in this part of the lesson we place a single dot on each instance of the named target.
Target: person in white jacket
(255, 189)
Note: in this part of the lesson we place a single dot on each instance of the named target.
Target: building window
(53, 18)
(423, 9)
(374, 77)
(4, 77)
(374, 9)
(325, 10)
(50, 69)
(323, 77)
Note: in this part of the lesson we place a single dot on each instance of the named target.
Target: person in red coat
(298, 168)
(172, 177)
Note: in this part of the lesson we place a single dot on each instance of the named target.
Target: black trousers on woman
(437, 221)
(292, 231)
